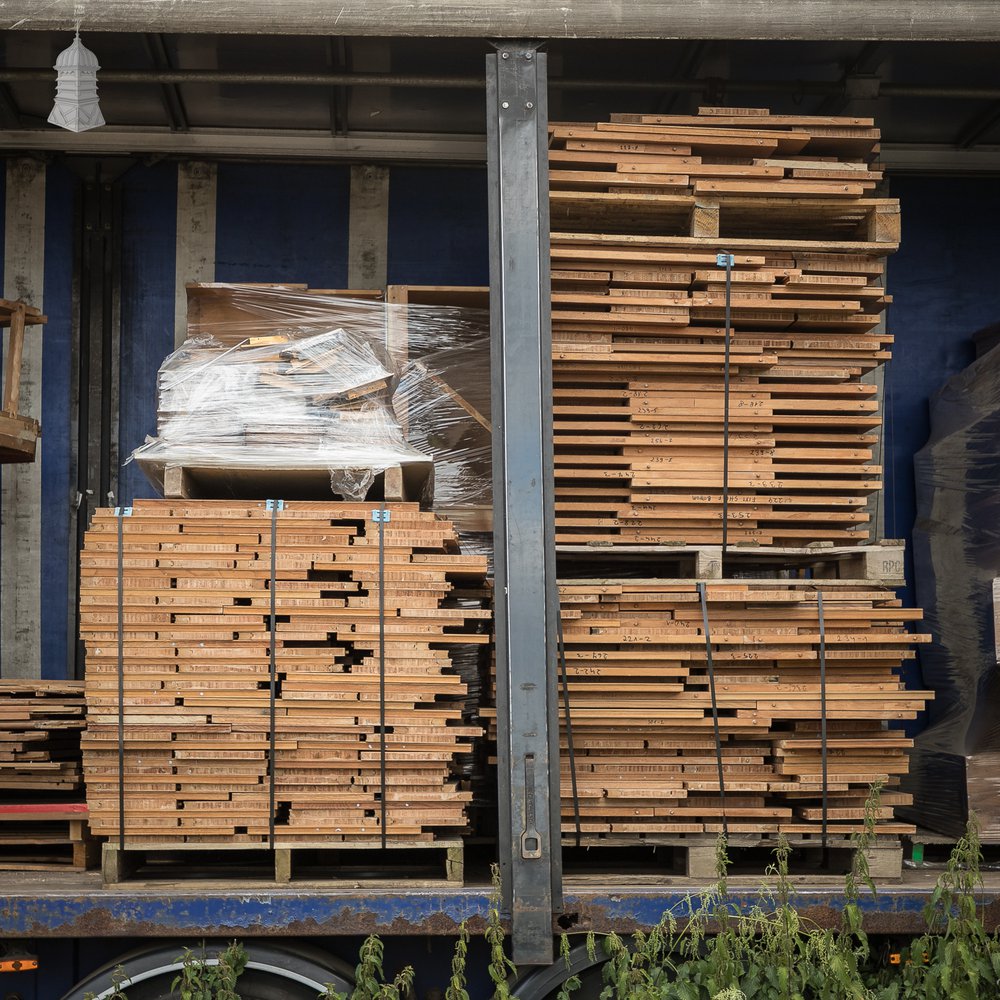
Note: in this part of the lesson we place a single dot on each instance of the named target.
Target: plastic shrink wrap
(443, 402)
(955, 766)
(281, 391)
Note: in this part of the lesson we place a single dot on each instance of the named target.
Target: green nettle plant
(710, 947)
(956, 957)
(369, 977)
(118, 978)
(500, 968)
(573, 981)
(200, 979)
(456, 984)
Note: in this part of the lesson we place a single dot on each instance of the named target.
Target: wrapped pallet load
(956, 549)
(282, 391)
(285, 651)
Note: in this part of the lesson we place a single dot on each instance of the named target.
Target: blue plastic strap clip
(725, 260)
(123, 511)
(382, 516)
(275, 504)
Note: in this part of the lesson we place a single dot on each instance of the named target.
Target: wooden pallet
(716, 216)
(927, 849)
(882, 563)
(46, 837)
(695, 856)
(18, 434)
(413, 482)
(196, 646)
(713, 176)
(338, 862)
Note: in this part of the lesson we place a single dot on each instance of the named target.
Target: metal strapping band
(715, 706)
(121, 515)
(725, 403)
(272, 746)
(822, 709)
(381, 666)
(569, 731)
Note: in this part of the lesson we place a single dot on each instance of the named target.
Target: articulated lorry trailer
(676, 221)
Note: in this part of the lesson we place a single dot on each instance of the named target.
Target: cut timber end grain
(196, 671)
(40, 726)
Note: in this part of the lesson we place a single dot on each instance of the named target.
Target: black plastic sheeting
(955, 766)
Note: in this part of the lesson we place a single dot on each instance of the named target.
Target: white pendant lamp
(76, 106)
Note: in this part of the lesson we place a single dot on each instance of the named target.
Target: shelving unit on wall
(18, 434)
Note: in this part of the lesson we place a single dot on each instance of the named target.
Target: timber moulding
(903, 20)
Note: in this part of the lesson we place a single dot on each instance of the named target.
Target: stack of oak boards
(718, 299)
(725, 171)
(196, 583)
(40, 726)
(640, 700)
(642, 207)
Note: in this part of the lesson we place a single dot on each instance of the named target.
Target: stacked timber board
(196, 579)
(40, 726)
(713, 173)
(43, 819)
(640, 706)
(717, 321)
(640, 211)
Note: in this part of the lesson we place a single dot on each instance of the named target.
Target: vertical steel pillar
(527, 600)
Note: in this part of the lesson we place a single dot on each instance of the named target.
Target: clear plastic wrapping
(443, 396)
(281, 380)
(956, 549)
(440, 421)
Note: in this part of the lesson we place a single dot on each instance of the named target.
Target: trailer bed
(75, 904)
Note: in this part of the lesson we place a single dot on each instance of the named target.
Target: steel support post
(527, 600)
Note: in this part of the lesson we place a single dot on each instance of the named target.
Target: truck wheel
(274, 971)
(544, 983)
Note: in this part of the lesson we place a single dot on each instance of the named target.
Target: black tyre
(274, 971)
(544, 983)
